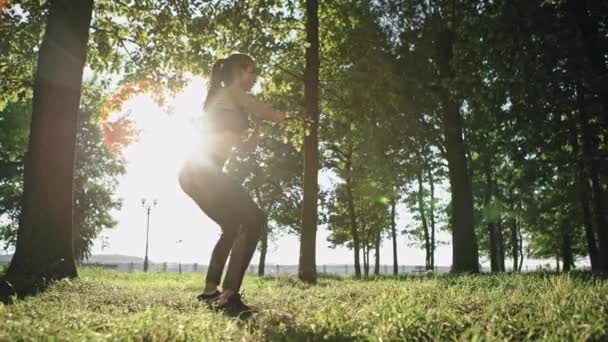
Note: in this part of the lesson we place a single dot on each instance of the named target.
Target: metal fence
(269, 269)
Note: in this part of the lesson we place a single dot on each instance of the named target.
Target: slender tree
(307, 270)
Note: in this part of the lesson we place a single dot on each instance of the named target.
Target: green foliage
(106, 305)
(95, 179)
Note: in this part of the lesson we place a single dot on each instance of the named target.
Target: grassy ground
(106, 305)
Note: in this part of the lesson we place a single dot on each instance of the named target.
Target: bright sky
(152, 165)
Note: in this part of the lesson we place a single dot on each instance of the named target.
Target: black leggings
(228, 204)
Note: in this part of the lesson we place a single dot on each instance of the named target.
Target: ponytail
(223, 73)
(215, 81)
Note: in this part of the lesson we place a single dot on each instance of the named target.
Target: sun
(170, 135)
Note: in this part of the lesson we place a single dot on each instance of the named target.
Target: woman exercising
(226, 202)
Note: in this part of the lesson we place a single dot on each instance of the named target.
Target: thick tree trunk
(587, 20)
(592, 171)
(44, 241)
(464, 243)
(394, 236)
(583, 190)
(307, 270)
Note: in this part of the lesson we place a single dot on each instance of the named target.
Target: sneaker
(233, 306)
(208, 298)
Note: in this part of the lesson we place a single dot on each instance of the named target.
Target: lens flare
(4, 5)
(118, 132)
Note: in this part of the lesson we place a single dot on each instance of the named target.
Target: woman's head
(237, 69)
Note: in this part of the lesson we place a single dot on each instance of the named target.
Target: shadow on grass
(488, 279)
(296, 335)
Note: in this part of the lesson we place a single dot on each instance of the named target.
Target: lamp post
(147, 205)
(179, 259)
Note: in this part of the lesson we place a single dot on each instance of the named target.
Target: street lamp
(179, 261)
(147, 205)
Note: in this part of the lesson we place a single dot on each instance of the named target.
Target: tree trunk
(500, 245)
(583, 190)
(365, 259)
(521, 246)
(44, 243)
(492, 229)
(591, 169)
(513, 228)
(377, 253)
(464, 243)
(566, 246)
(353, 218)
(588, 25)
(263, 250)
(394, 236)
(425, 227)
(307, 270)
(432, 215)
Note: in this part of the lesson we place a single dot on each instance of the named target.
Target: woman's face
(248, 77)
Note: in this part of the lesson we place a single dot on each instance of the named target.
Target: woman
(222, 199)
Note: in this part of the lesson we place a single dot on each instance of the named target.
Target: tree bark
(365, 250)
(591, 169)
(394, 236)
(425, 227)
(377, 253)
(432, 215)
(464, 243)
(44, 243)
(521, 246)
(566, 246)
(513, 231)
(353, 217)
(263, 250)
(500, 245)
(583, 190)
(491, 225)
(307, 270)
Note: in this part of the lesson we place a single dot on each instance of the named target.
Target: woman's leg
(218, 258)
(246, 241)
(228, 204)
(204, 186)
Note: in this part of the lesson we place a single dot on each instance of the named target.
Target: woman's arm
(249, 145)
(250, 104)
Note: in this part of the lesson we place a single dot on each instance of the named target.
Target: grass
(107, 305)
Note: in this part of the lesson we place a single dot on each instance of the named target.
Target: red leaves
(121, 132)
